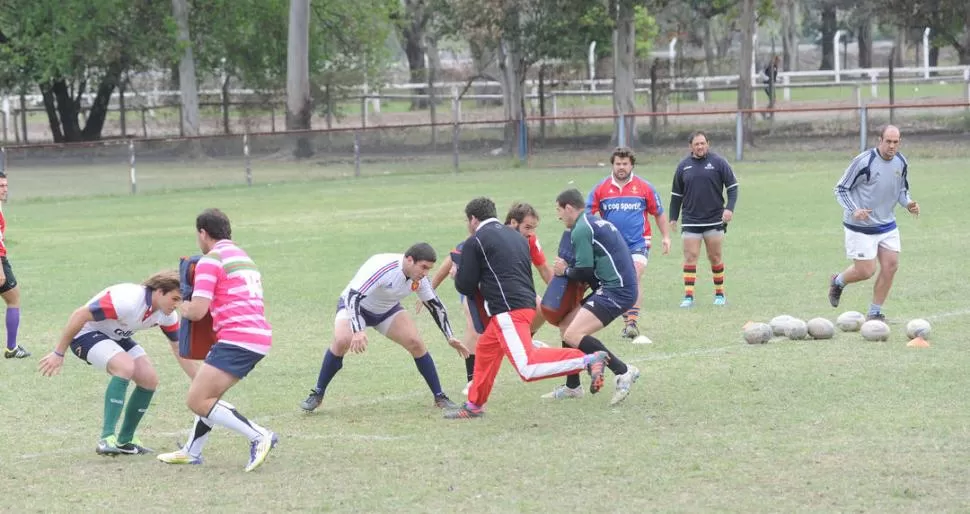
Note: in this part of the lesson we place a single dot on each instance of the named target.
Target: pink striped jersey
(229, 278)
(121, 310)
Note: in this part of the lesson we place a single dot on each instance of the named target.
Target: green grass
(713, 425)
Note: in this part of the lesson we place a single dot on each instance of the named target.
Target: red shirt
(3, 230)
(535, 251)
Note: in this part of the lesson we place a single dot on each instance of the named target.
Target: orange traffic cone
(918, 342)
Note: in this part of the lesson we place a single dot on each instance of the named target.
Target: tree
(748, 26)
(414, 27)
(518, 33)
(65, 46)
(788, 10)
(299, 107)
(624, 72)
(187, 80)
(949, 21)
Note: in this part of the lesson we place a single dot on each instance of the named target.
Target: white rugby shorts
(864, 247)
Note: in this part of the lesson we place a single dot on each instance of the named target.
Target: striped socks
(690, 276)
(718, 271)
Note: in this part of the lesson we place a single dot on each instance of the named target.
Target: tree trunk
(901, 43)
(710, 50)
(225, 105)
(50, 105)
(934, 57)
(865, 44)
(513, 102)
(789, 35)
(963, 53)
(415, 52)
(298, 101)
(748, 27)
(186, 70)
(99, 108)
(830, 24)
(66, 111)
(624, 62)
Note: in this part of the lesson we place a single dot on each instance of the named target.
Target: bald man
(868, 192)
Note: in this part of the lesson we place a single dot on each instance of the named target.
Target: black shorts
(8, 272)
(609, 304)
(705, 230)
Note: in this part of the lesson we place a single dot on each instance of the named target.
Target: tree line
(67, 50)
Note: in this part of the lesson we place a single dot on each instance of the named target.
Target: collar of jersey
(483, 223)
(617, 184)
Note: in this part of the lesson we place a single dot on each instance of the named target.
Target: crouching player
(373, 299)
(603, 258)
(99, 333)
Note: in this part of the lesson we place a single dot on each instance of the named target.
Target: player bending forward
(603, 260)
(99, 333)
(373, 299)
(229, 287)
(494, 273)
(523, 218)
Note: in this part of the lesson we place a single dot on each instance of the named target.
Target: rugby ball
(757, 333)
(796, 330)
(875, 330)
(778, 324)
(918, 328)
(850, 321)
(821, 328)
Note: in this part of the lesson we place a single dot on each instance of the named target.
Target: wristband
(58, 354)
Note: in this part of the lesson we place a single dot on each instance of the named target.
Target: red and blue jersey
(627, 208)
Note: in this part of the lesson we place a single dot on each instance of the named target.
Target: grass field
(712, 425)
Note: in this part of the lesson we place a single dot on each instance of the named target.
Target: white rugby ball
(757, 333)
(850, 321)
(796, 329)
(821, 328)
(918, 328)
(778, 324)
(875, 330)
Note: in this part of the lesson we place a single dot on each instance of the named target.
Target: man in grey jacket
(868, 192)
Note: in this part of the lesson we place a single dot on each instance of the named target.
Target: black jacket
(495, 263)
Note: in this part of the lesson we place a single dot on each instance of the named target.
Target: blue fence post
(621, 131)
(131, 167)
(523, 140)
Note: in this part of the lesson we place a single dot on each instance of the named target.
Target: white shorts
(864, 247)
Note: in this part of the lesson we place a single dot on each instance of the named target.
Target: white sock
(233, 420)
(197, 438)
(255, 425)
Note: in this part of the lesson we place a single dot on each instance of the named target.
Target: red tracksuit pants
(509, 333)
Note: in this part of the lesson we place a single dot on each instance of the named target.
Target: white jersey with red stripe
(381, 284)
(123, 309)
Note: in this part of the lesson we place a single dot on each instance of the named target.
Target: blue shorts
(371, 319)
(233, 359)
(97, 349)
(642, 251)
(609, 304)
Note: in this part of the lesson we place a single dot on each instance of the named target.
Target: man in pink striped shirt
(228, 286)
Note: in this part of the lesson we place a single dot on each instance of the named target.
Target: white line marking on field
(691, 353)
(951, 314)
